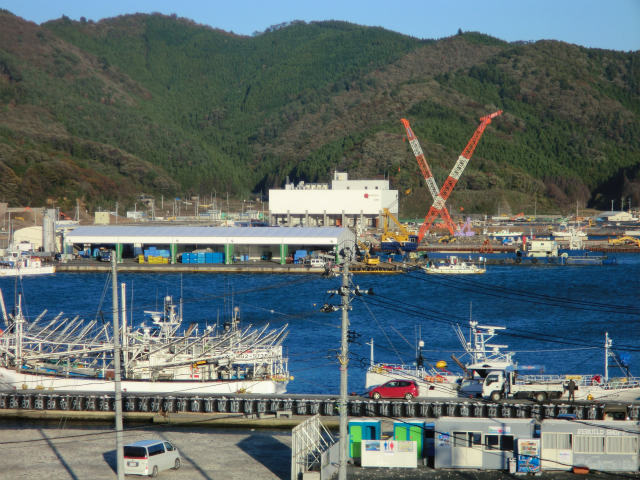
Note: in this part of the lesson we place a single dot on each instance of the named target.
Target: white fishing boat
(481, 358)
(436, 381)
(505, 234)
(76, 355)
(598, 387)
(454, 266)
(569, 232)
(22, 265)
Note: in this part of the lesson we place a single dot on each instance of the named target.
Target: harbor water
(554, 316)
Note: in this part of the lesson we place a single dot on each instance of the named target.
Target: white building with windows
(342, 203)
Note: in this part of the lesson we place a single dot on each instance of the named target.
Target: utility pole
(116, 358)
(344, 363)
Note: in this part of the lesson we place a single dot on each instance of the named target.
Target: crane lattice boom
(438, 204)
(426, 171)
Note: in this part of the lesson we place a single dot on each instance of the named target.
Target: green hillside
(155, 104)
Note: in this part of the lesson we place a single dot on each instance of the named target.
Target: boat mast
(607, 345)
(19, 321)
(4, 310)
(124, 336)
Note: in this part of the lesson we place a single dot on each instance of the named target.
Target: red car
(395, 389)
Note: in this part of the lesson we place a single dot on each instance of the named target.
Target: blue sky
(610, 24)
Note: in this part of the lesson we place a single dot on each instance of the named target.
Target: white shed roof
(180, 234)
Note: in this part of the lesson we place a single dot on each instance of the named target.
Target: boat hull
(608, 393)
(21, 272)
(442, 387)
(11, 380)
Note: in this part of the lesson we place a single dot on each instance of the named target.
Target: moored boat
(435, 381)
(74, 355)
(454, 266)
(20, 265)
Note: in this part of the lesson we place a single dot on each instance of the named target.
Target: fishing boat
(598, 387)
(436, 381)
(22, 265)
(454, 266)
(164, 356)
(480, 358)
(567, 233)
(501, 234)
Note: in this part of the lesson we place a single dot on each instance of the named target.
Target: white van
(316, 262)
(148, 457)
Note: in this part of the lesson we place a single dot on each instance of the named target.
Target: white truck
(507, 384)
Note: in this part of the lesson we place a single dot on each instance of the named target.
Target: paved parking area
(58, 451)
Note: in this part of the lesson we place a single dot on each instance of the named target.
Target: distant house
(136, 215)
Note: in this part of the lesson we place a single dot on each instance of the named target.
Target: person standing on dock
(572, 388)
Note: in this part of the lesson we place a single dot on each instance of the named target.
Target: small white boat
(569, 232)
(505, 234)
(454, 266)
(24, 265)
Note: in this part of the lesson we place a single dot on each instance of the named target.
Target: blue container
(208, 257)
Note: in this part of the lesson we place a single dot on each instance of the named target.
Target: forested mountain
(161, 105)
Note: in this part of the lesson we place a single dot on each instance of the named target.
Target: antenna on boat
(181, 294)
(4, 310)
(607, 345)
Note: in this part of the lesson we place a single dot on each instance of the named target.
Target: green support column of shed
(284, 251)
(118, 252)
(228, 253)
(174, 253)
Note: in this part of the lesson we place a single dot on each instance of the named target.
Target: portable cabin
(359, 430)
(420, 432)
(611, 446)
(480, 443)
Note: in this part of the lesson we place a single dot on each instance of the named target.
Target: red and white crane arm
(422, 161)
(454, 175)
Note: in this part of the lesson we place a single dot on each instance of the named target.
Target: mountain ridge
(162, 105)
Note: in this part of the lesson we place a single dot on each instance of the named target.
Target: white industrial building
(613, 216)
(345, 202)
(248, 242)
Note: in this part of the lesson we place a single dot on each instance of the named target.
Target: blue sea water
(555, 316)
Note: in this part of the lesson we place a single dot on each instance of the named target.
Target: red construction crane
(454, 176)
(426, 172)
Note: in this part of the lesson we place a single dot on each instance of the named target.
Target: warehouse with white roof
(235, 242)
